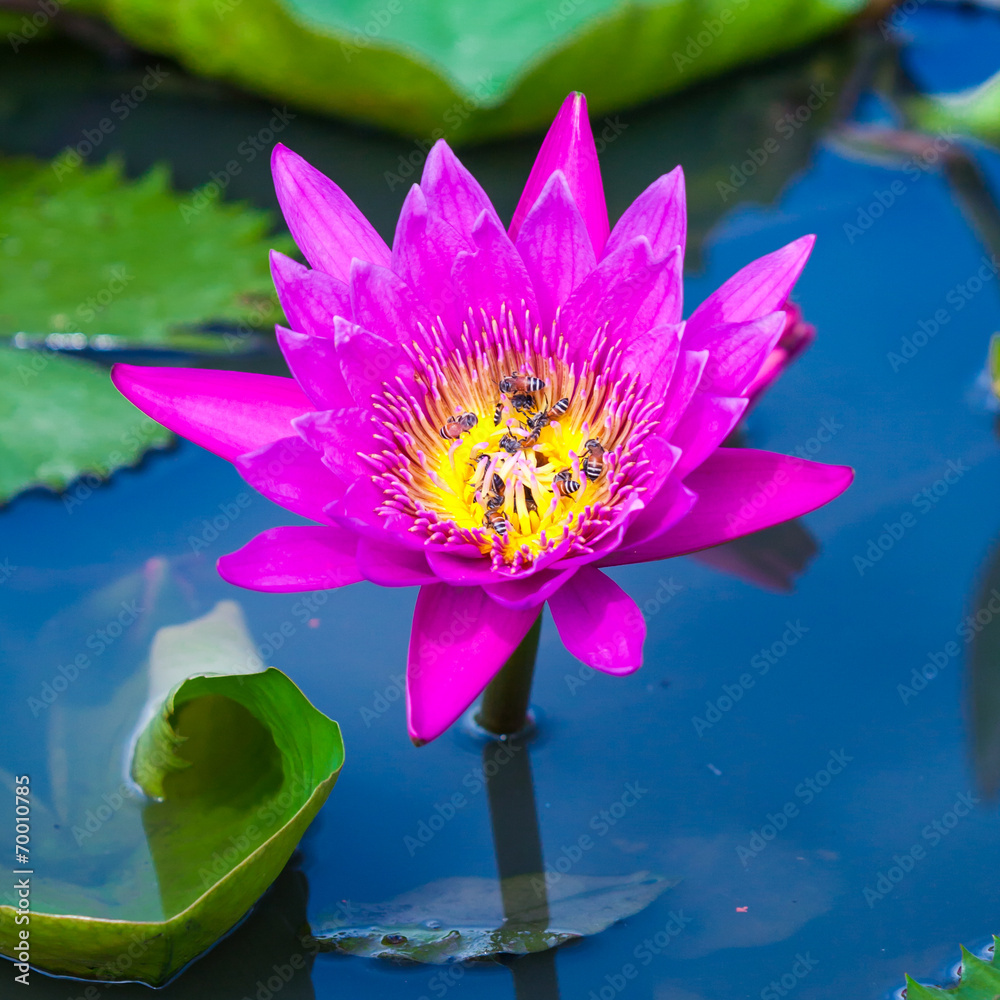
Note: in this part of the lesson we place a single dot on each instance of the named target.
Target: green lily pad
(61, 418)
(227, 773)
(979, 981)
(467, 71)
(462, 919)
(90, 259)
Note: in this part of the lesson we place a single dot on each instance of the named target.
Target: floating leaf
(979, 981)
(235, 767)
(90, 259)
(470, 70)
(458, 919)
(61, 418)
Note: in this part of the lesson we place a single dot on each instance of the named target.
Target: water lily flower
(497, 416)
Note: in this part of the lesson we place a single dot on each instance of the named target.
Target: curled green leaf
(234, 765)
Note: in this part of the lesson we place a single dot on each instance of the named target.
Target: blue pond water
(753, 703)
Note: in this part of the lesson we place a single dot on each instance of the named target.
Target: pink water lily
(497, 416)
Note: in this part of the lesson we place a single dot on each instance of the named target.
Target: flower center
(510, 448)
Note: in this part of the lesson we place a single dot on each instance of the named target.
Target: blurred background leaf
(88, 258)
(61, 418)
(467, 71)
(974, 112)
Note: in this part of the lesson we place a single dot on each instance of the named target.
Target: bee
(593, 466)
(529, 501)
(544, 417)
(516, 382)
(535, 424)
(529, 440)
(523, 402)
(495, 519)
(496, 498)
(559, 408)
(510, 444)
(498, 413)
(457, 426)
(563, 483)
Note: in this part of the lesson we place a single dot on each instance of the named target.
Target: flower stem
(504, 709)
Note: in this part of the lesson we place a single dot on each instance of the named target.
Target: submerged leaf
(458, 919)
(467, 71)
(61, 418)
(89, 258)
(236, 766)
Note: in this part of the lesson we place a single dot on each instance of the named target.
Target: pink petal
(760, 288)
(360, 510)
(599, 623)
(292, 474)
(452, 192)
(682, 388)
(741, 490)
(310, 299)
(370, 363)
(460, 639)
(493, 276)
(659, 214)
(385, 304)
(423, 254)
(392, 566)
(530, 591)
(706, 423)
(555, 247)
(229, 413)
(339, 436)
(653, 356)
(738, 352)
(662, 511)
(659, 295)
(293, 558)
(326, 225)
(316, 367)
(461, 566)
(627, 294)
(795, 338)
(568, 147)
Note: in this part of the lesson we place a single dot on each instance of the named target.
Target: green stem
(505, 701)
